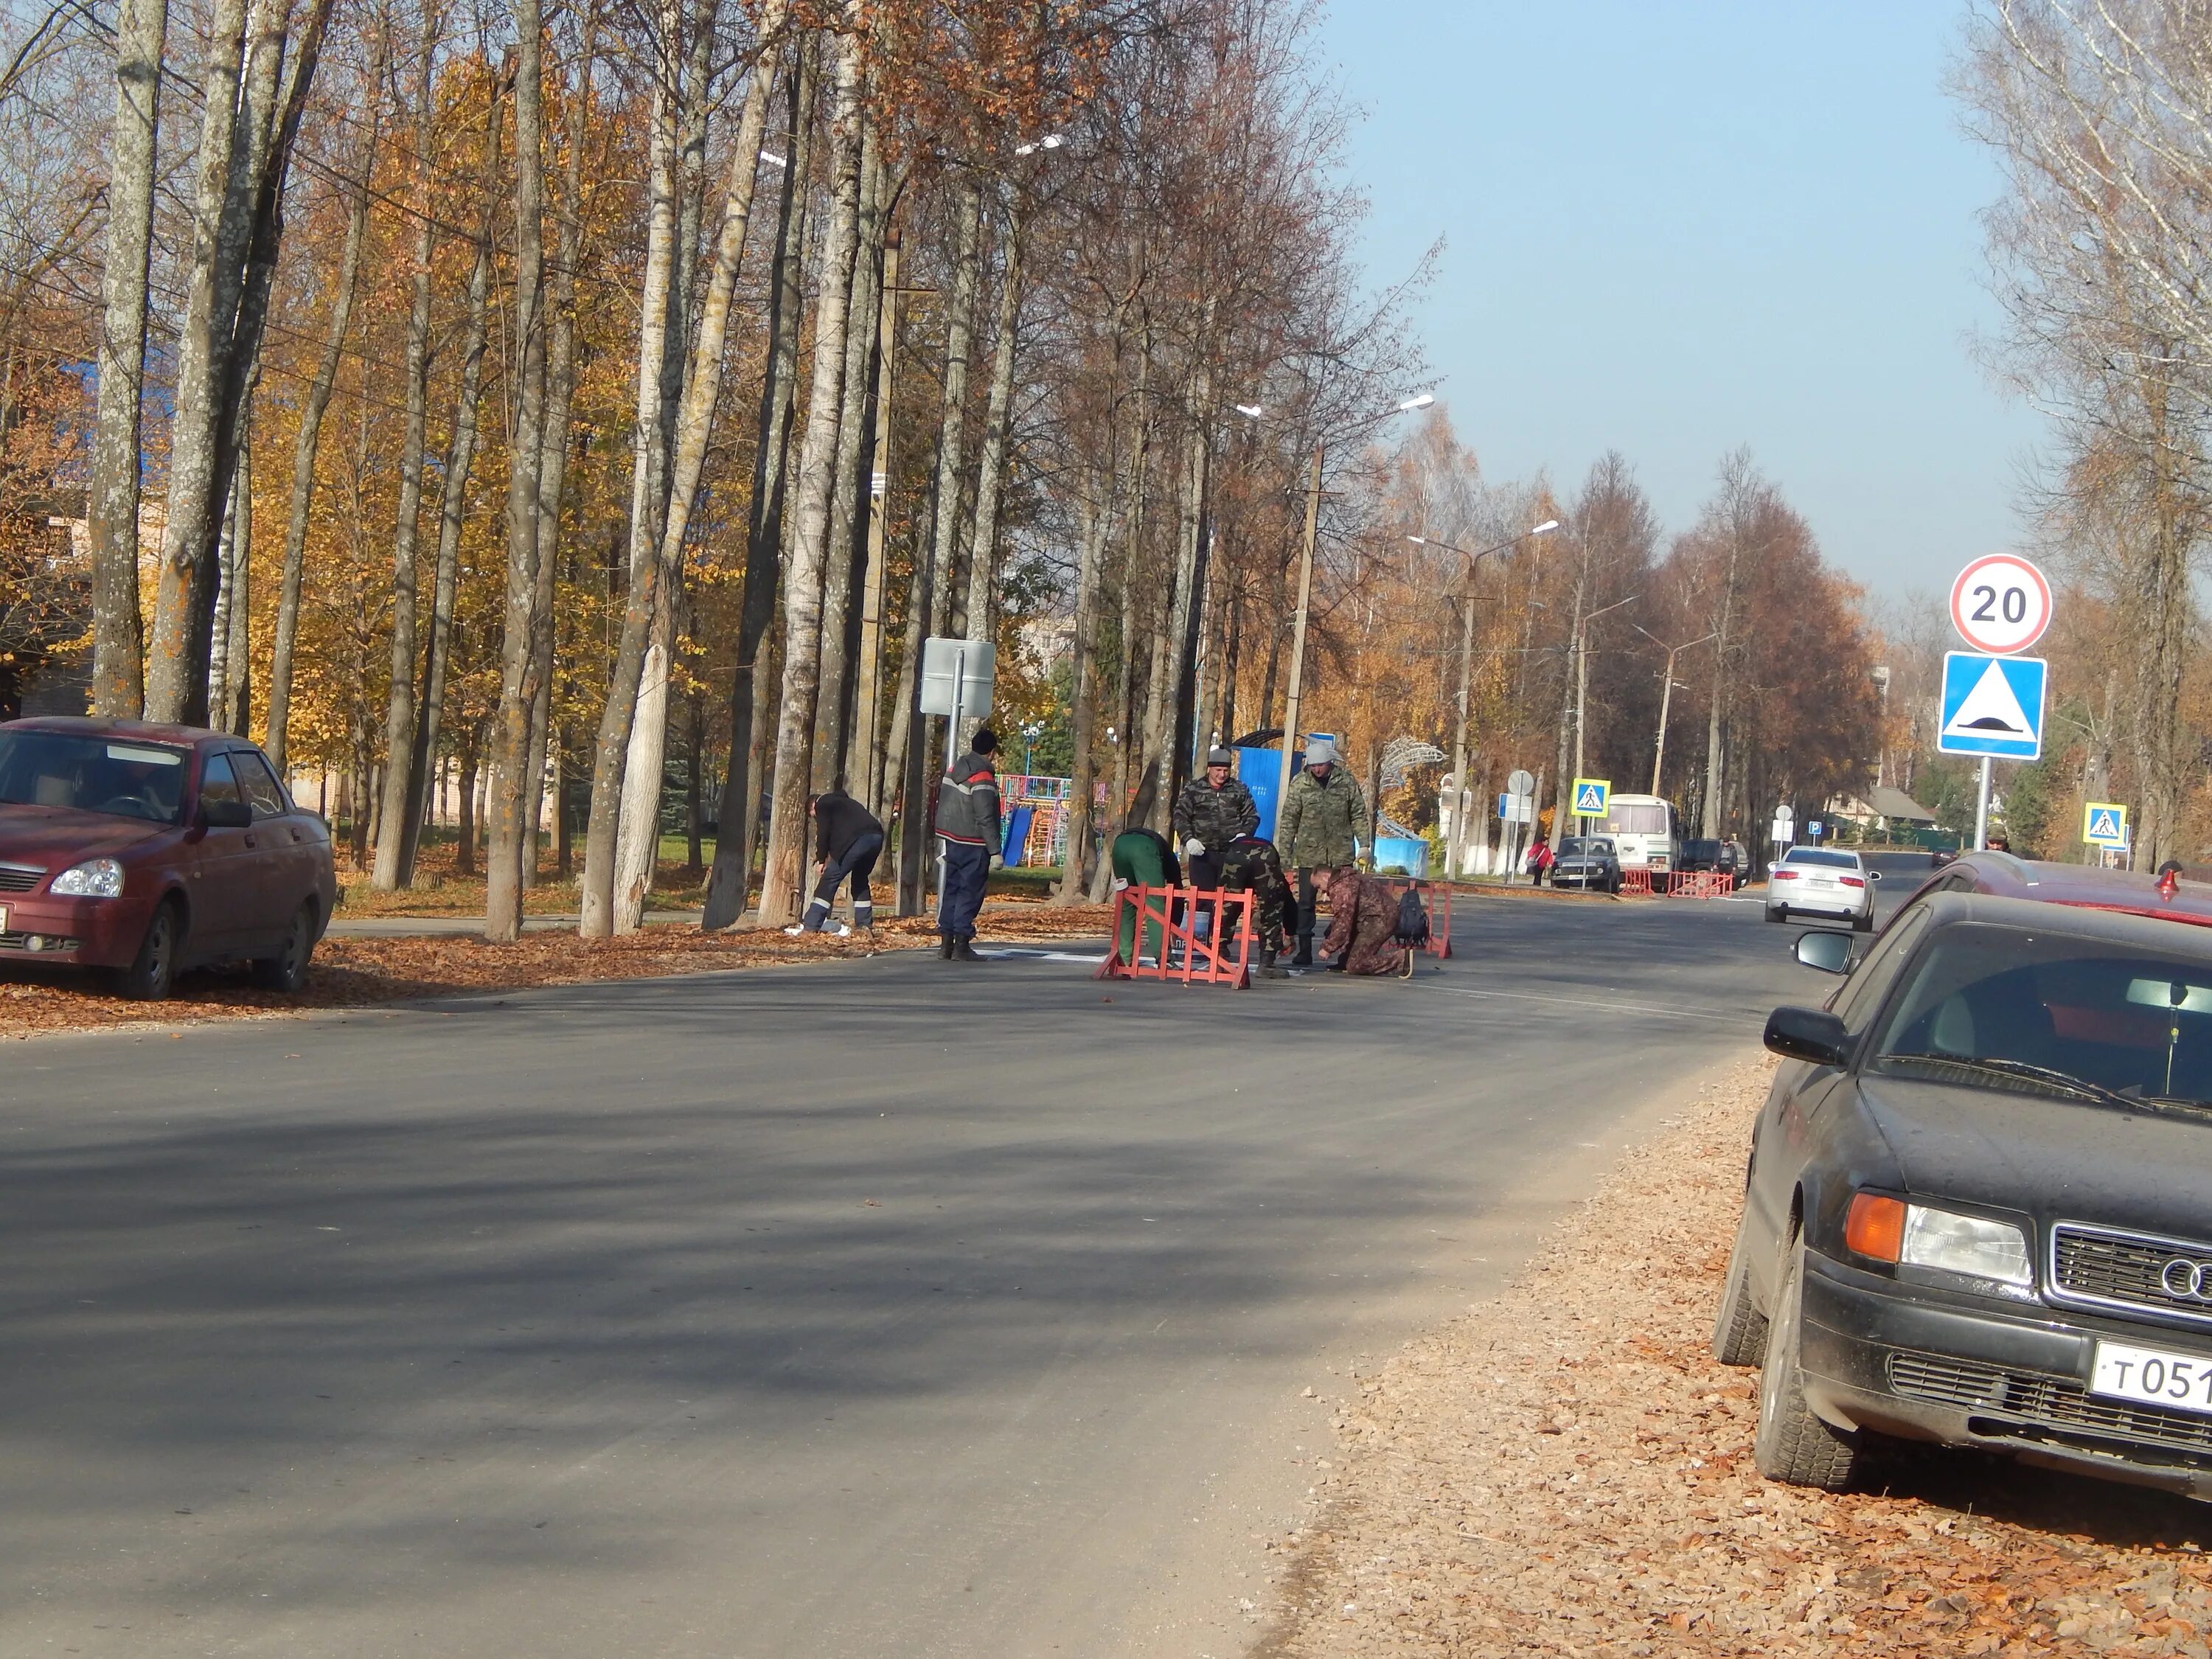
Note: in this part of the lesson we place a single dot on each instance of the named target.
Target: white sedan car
(1822, 881)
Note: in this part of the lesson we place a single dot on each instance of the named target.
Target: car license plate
(2153, 1376)
(3, 918)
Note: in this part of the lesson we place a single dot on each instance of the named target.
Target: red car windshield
(92, 773)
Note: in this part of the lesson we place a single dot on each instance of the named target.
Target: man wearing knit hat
(1213, 810)
(1323, 812)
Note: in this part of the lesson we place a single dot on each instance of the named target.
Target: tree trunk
(553, 447)
(1083, 685)
(309, 440)
(234, 711)
(461, 461)
(112, 508)
(728, 882)
(842, 569)
(518, 689)
(633, 739)
(802, 588)
(878, 468)
(252, 105)
(991, 466)
(393, 818)
(932, 572)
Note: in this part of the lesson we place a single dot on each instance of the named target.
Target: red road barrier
(1149, 913)
(1435, 897)
(1636, 881)
(1699, 883)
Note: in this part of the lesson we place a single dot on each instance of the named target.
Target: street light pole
(1457, 856)
(1299, 638)
(1305, 599)
(1667, 692)
(1582, 684)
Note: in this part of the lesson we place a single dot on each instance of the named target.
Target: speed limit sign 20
(2001, 604)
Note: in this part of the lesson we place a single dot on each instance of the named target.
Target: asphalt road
(889, 1308)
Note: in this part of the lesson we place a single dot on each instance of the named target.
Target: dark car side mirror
(1874, 875)
(226, 814)
(1829, 953)
(1806, 1034)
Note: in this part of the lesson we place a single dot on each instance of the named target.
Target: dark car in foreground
(149, 849)
(1587, 861)
(1978, 1208)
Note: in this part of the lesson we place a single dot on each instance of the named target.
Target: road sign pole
(1982, 809)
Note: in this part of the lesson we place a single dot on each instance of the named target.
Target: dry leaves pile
(1564, 1471)
(353, 972)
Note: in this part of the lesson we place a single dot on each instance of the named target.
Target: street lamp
(1050, 141)
(1457, 856)
(1667, 693)
(1418, 400)
(1582, 693)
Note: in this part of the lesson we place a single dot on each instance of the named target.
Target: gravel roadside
(1564, 1470)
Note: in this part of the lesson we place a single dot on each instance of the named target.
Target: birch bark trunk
(730, 877)
(461, 461)
(991, 466)
(253, 103)
(309, 440)
(908, 759)
(802, 606)
(111, 511)
(833, 719)
(637, 827)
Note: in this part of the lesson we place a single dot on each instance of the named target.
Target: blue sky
(1676, 228)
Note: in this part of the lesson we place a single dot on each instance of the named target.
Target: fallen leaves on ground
(356, 972)
(1565, 1471)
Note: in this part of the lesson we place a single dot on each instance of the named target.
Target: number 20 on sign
(2001, 604)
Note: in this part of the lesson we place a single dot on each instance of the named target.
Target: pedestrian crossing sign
(2104, 824)
(1592, 797)
(1991, 705)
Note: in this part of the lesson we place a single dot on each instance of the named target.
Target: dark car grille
(2056, 1403)
(19, 879)
(2123, 1268)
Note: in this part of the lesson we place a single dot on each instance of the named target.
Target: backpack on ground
(1413, 929)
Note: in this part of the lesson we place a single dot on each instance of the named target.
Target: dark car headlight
(93, 878)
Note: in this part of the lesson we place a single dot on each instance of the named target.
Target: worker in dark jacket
(848, 839)
(968, 824)
(1212, 811)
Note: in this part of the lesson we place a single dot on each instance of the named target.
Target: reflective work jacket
(968, 802)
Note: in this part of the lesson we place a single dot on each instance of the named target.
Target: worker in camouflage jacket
(1212, 811)
(1323, 816)
(1250, 865)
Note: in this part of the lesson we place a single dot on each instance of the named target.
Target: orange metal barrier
(1163, 917)
(1636, 881)
(1435, 897)
(1700, 884)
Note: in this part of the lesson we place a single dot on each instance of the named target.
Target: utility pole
(1667, 692)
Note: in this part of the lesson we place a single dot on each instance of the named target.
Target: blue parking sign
(1992, 706)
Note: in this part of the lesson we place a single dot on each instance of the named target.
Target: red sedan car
(149, 849)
